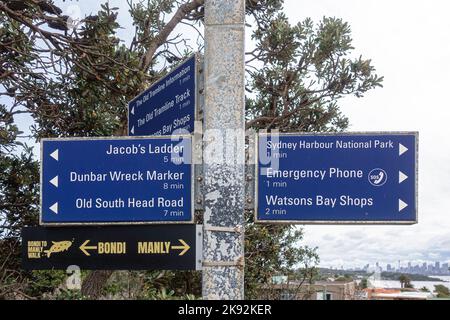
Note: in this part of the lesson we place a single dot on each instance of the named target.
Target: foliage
(158, 284)
(364, 283)
(405, 281)
(75, 78)
(344, 278)
(442, 291)
(272, 250)
(300, 72)
(44, 282)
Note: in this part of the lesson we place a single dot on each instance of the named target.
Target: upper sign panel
(116, 180)
(337, 178)
(168, 105)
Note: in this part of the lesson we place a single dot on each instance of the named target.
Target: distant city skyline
(412, 267)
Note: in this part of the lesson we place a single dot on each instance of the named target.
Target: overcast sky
(409, 44)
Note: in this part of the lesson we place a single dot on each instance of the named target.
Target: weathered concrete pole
(224, 153)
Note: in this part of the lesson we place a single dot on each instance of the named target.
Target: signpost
(224, 132)
(300, 178)
(337, 178)
(168, 105)
(175, 247)
(116, 180)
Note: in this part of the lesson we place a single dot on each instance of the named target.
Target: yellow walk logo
(59, 246)
(36, 248)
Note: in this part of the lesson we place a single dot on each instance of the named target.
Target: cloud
(355, 234)
(328, 237)
(351, 248)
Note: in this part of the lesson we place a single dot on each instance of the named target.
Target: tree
(364, 283)
(442, 291)
(304, 70)
(75, 80)
(405, 281)
(19, 184)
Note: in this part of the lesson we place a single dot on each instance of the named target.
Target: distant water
(417, 284)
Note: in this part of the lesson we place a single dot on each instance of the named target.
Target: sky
(409, 44)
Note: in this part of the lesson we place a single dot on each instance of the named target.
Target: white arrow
(401, 205)
(132, 111)
(54, 207)
(54, 181)
(132, 130)
(401, 177)
(55, 155)
(401, 149)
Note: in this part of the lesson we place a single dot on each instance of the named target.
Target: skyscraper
(445, 269)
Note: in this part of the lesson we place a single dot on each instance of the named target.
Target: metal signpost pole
(223, 155)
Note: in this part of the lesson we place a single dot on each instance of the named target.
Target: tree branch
(161, 38)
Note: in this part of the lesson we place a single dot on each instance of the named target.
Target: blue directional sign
(168, 105)
(116, 180)
(337, 178)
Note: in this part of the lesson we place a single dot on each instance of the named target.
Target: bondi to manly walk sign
(158, 247)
